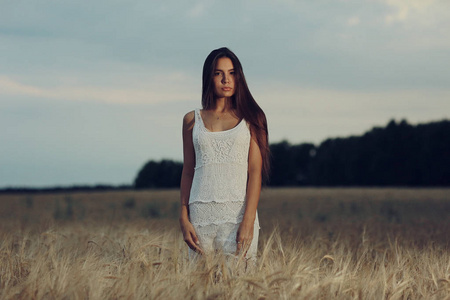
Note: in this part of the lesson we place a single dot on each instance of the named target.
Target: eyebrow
(223, 70)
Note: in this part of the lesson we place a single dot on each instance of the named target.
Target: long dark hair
(242, 101)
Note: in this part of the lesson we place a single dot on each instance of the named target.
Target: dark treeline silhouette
(163, 174)
(60, 189)
(399, 154)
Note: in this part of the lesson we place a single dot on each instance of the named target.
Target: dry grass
(315, 244)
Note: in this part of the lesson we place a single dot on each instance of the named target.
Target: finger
(198, 249)
(249, 241)
(246, 246)
(195, 238)
(197, 243)
(194, 246)
(238, 247)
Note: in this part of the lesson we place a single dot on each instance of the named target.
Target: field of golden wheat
(314, 244)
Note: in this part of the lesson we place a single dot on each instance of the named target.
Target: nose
(225, 78)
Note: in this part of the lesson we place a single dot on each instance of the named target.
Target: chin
(225, 95)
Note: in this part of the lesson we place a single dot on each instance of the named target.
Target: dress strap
(198, 118)
(196, 111)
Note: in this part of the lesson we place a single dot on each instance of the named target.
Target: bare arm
(245, 232)
(187, 175)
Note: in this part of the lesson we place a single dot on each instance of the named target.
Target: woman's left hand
(244, 237)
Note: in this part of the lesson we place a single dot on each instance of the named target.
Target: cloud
(353, 21)
(11, 87)
(198, 10)
(172, 87)
(406, 9)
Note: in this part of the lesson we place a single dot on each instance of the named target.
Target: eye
(232, 73)
(216, 73)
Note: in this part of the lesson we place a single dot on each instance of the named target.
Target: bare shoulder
(189, 120)
(189, 117)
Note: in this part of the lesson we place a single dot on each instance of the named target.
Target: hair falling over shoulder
(242, 101)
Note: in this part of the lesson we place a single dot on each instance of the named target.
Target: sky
(92, 90)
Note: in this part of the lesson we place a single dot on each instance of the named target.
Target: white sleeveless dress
(218, 192)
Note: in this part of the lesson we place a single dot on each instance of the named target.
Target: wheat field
(331, 243)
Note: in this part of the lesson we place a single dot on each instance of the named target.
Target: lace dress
(218, 192)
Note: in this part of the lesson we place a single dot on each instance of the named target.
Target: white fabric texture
(218, 192)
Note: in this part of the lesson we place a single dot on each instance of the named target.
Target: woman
(226, 157)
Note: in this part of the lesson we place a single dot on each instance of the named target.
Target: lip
(226, 89)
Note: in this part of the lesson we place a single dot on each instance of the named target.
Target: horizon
(131, 183)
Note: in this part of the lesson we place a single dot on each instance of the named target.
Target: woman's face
(224, 85)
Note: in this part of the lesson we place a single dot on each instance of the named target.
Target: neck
(223, 105)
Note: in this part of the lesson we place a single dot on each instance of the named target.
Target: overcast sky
(92, 90)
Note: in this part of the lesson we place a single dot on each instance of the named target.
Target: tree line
(400, 154)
